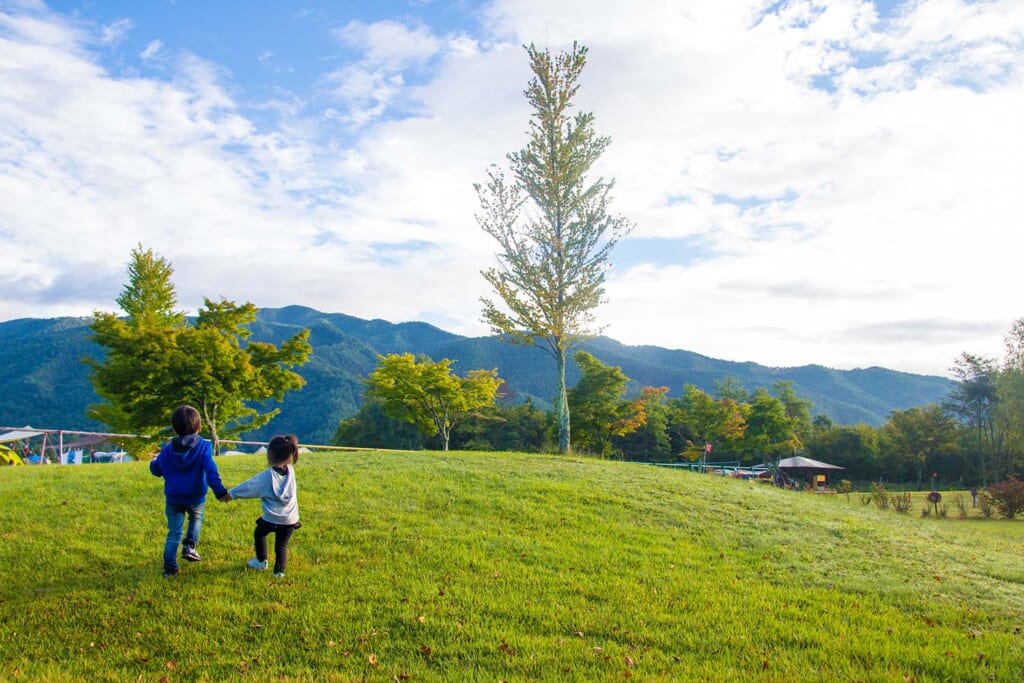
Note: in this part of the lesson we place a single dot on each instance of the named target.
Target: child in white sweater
(275, 487)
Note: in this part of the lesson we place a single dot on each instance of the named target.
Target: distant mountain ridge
(45, 384)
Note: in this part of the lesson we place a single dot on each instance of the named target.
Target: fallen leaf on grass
(171, 665)
(422, 619)
(630, 663)
(372, 659)
(425, 651)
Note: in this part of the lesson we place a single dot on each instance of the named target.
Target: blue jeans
(175, 521)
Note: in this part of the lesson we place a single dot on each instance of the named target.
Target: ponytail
(282, 448)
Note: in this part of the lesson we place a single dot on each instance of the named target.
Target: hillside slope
(483, 567)
(46, 385)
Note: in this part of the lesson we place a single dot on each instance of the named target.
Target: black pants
(282, 534)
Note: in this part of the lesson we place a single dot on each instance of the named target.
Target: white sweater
(276, 491)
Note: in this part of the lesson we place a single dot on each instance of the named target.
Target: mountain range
(45, 384)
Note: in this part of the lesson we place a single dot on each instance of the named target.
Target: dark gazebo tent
(814, 472)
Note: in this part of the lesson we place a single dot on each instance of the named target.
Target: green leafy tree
(520, 427)
(770, 434)
(372, 427)
(427, 394)
(854, 447)
(597, 402)
(973, 400)
(699, 419)
(797, 409)
(651, 441)
(228, 378)
(731, 387)
(156, 360)
(551, 223)
(136, 346)
(921, 433)
(1008, 413)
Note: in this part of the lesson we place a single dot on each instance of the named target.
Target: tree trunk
(210, 417)
(564, 443)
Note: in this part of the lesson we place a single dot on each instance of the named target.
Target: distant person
(276, 489)
(974, 497)
(187, 466)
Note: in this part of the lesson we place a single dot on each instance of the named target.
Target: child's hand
(226, 498)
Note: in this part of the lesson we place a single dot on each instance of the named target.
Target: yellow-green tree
(155, 359)
(551, 223)
(427, 394)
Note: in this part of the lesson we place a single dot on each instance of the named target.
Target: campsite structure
(53, 447)
(814, 472)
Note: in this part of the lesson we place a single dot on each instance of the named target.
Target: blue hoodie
(187, 466)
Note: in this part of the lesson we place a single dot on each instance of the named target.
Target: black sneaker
(168, 573)
(190, 554)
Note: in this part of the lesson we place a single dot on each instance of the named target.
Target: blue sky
(811, 181)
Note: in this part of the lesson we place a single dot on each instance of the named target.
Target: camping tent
(815, 472)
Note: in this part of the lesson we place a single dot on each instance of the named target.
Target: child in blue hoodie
(187, 466)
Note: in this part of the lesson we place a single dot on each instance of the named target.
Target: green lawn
(487, 567)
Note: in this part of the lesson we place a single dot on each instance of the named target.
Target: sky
(834, 182)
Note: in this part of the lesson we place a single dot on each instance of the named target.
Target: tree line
(972, 438)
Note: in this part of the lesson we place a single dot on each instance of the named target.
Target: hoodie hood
(187, 466)
(183, 444)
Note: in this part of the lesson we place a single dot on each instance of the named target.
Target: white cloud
(390, 45)
(113, 33)
(152, 49)
(849, 179)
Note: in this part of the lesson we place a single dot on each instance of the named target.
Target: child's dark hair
(185, 420)
(282, 448)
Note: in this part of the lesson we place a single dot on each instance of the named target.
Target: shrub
(880, 496)
(900, 502)
(985, 504)
(961, 505)
(845, 486)
(1007, 497)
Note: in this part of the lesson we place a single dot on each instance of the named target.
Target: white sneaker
(279, 574)
(256, 564)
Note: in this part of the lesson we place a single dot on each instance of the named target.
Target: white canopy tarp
(18, 435)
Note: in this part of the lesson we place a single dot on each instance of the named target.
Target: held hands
(226, 498)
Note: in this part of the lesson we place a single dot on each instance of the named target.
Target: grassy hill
(45, 384)
(485, 567)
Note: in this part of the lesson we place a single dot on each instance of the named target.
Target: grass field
(488, 567)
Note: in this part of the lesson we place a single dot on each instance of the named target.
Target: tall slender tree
(551, 223)
(974, 400)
